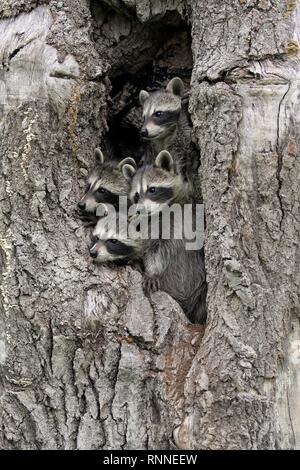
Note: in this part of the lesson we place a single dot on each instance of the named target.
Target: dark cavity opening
(137, 56)
(142, 56)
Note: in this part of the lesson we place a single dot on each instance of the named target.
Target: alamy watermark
(174, 221)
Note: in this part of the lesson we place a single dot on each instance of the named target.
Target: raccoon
(105, 184)
(169, 185)
(110, 240)
(166, 123)
(168, 265)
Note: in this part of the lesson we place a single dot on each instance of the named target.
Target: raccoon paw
(88, 220)
(89, 223)
(151, 283)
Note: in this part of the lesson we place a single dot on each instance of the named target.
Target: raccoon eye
(152, 190)
(158, 113)
(101, 190)
(113, 241)
(136, 197)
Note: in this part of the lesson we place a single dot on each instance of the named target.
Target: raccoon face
(110, 241)
(161, 110)
(111, 249)
(105, 184)
(155, 186)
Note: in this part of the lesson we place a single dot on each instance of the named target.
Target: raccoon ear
(143, 96)
(165, 161)
(128, 171)
(99, 156)
(127, 160)
(176, 86)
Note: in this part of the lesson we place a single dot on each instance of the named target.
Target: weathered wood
(86, 359)
(245, 110)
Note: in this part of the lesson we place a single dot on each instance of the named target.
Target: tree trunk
(87, 360)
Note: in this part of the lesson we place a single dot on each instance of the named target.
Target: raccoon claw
(151, 284)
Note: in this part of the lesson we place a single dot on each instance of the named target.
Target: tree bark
(87, 361)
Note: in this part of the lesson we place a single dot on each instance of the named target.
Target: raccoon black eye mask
(165, 117)
(106, 196)
(160, 194)
(118, 248)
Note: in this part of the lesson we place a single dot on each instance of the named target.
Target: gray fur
(176, 138)
(113, 225)
(159, 176)
(168, 265)
(99, 156)
(143, 96)
(165, 160)
(181, 273)
(127, 161)
(107, 174)
(128, 171)
(176, 87)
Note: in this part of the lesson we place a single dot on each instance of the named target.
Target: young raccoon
(105, 184)
(156, 185)
(168, 265)
(166, 123)
(110, 240)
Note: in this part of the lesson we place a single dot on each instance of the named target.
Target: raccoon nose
(93, 254)
(81, 205)
(144, 132)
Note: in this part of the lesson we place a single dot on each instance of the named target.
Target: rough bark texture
(87, 361)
